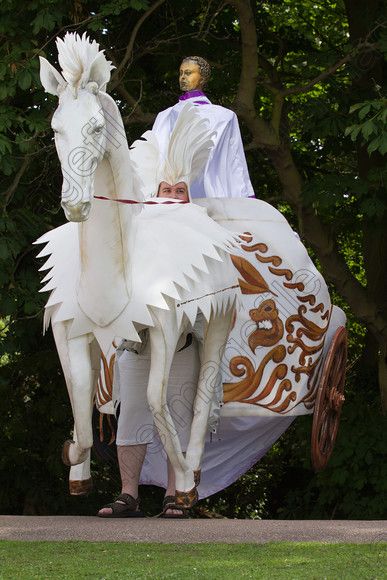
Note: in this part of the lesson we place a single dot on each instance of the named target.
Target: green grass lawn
(124, 560)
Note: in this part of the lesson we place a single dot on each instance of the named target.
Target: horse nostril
(86, 207)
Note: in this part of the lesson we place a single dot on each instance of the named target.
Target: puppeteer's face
(177, 191)
(189, 76)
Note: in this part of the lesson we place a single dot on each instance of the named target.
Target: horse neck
(104, 237)
(117, 151)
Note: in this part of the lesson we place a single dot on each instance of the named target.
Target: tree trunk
(368, 72)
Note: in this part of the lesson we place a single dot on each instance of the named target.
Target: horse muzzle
(76, 213)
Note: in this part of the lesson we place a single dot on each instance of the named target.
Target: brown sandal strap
(169, 502)
(128, 500)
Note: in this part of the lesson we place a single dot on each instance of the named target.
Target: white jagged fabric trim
(181, 255)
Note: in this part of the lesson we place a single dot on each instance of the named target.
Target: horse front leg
(211, 355)
(75, 357)
(162, 353)
(80, 480)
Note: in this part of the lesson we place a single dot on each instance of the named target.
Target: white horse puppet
(117, 267)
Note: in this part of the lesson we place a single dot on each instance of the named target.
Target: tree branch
(204, 32)
(8, 193)
(136, 115)
(57, 32)
(321, 77)
(116, 77)
(276, 84)
(329, 71)
(276, 114)
(249, 71)
(263, 134)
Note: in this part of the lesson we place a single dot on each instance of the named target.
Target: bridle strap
(133, 201)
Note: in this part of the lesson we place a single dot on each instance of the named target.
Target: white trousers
(135, 421)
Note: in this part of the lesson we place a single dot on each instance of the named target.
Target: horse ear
(49, 77)
(100, 71)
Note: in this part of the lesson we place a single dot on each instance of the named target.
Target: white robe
(226, 173)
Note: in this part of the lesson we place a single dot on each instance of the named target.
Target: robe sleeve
(226, 173)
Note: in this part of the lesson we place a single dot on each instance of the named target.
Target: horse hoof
(81, 486)
(66, 452)
(186, 499)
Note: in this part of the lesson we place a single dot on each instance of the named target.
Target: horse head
(79, 122)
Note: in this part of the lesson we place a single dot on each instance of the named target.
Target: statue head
(194, 73)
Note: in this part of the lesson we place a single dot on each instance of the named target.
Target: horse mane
(76, 54)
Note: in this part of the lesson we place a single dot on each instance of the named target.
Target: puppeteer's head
(176, 191)
(194, 73)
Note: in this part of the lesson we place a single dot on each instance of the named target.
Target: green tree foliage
(308, 90)
(371, 129)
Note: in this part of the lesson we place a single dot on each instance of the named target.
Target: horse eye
(98, 129)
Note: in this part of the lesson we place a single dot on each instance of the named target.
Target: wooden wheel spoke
(329, 400)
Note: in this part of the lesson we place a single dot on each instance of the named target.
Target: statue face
(189, 76)
(176, 191)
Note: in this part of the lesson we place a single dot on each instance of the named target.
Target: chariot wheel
(329, 401)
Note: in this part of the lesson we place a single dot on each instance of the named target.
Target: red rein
(133, 201)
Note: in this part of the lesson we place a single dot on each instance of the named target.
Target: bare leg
(130, 460)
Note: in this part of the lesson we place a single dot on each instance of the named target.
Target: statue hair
(204, 67)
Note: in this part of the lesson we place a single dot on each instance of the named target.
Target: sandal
(124, 506)
(169, 503)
